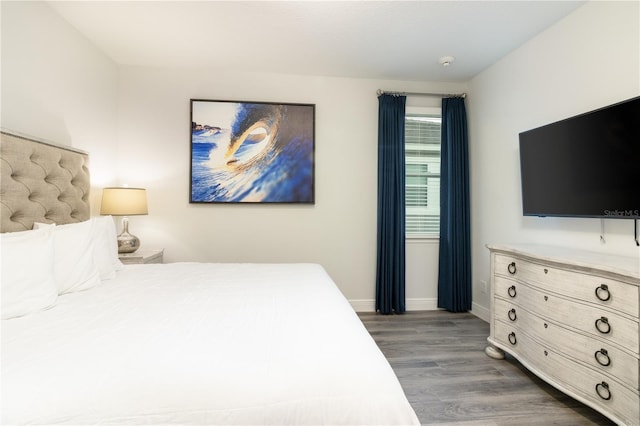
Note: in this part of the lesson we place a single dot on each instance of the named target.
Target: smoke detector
(445, 61)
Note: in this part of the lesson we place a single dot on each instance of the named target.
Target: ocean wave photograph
(252, 152)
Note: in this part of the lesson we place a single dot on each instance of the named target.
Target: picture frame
(252, 152)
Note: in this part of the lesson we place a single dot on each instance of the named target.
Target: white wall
(57, 86)
(135, 124)
(339, 231)
(588, 60)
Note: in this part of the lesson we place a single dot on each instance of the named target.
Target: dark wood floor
(440, 361)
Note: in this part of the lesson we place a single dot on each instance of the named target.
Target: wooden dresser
(571, 317)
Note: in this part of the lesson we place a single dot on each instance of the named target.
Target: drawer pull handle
(603, 293)
(512, 338)
(546, 271)
(606, 395)
(601, 329)
(512, 268)
(601, 355)
(512, 291)
(512, 314)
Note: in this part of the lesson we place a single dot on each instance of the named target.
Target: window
(422, 185)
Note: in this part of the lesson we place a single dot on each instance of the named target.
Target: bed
(97, 342)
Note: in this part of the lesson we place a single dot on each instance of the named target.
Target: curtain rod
(442, 95)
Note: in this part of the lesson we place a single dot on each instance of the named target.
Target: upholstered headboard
(41, 182)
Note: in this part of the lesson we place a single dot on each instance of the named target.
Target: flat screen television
(584, 166)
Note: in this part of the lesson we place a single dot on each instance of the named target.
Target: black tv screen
(584, 166)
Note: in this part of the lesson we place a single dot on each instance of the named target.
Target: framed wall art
(252, 152)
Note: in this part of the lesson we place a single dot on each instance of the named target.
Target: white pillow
(27, 273)
(74, 266)
(105, 252)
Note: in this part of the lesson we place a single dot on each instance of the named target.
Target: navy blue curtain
(390, 269)
(454, 272)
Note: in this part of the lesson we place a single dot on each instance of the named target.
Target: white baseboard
(423, 304)
(480, 311)
(416, 304)
(363, 305)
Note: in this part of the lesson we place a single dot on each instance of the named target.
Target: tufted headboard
(41, 182)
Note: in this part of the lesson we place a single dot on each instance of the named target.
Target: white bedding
(193, 343)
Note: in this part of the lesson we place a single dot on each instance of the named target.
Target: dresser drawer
(605, 325)
(615, 295)
(608, 395)
(599, 355)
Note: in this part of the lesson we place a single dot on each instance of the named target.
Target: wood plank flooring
(440, 361)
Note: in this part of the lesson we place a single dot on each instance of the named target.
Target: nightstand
(142, 256)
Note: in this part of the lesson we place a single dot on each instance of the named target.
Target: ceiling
(395, 40)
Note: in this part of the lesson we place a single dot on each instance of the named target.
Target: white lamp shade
(124, 201)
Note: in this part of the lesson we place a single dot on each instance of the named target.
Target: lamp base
(127, 243)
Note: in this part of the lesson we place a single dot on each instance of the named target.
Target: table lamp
(125, 202)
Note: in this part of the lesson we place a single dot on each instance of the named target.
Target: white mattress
(196, 343)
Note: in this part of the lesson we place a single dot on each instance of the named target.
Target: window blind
(422, 186)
